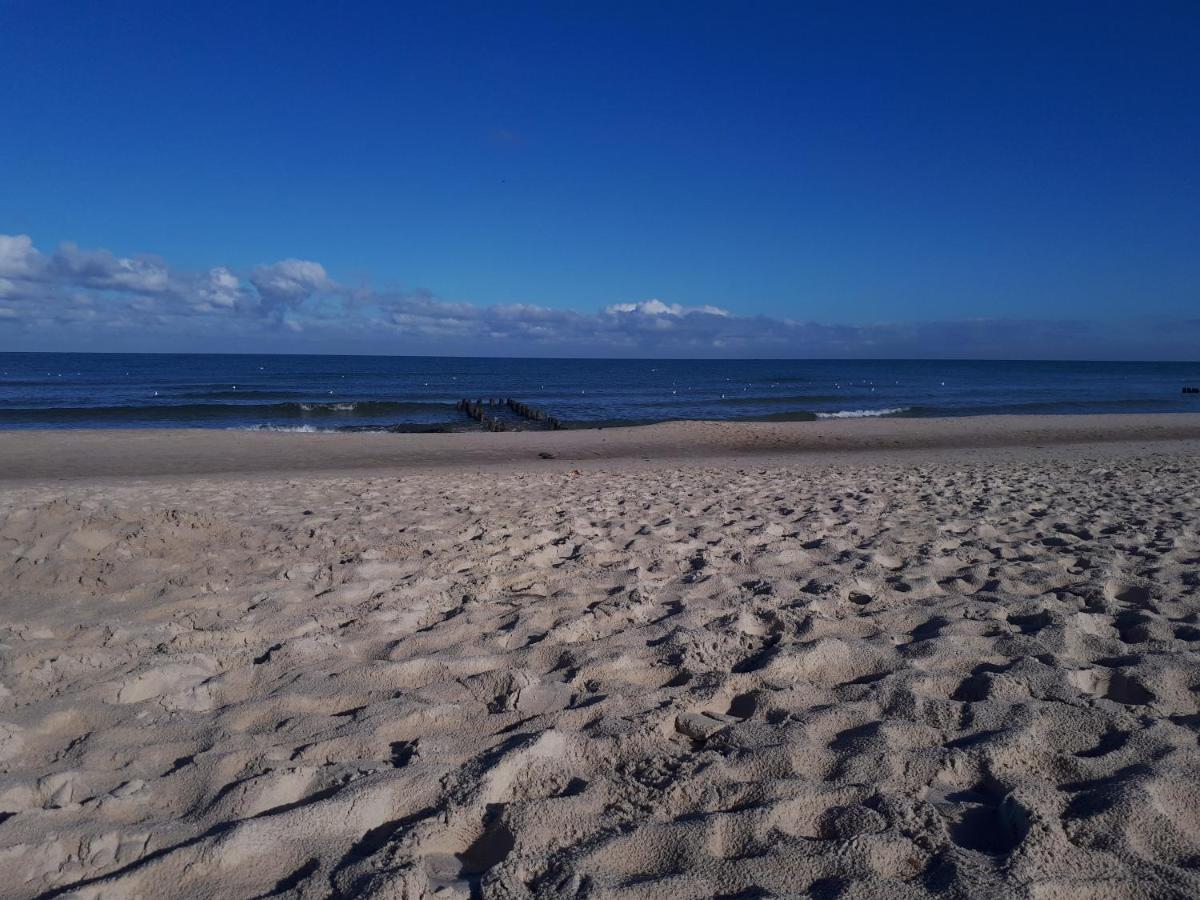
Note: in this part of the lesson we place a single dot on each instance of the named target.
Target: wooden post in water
(532, 414)
(475, 409)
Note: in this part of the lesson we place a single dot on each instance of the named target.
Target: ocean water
(317, 393)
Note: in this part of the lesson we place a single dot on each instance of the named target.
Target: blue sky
(606, 178)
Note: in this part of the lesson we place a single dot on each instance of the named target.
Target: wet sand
(156, 452)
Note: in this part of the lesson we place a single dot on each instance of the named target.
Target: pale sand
(948, 673)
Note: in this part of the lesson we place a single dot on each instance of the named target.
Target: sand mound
(898, 681)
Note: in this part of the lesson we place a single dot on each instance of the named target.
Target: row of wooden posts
(477, 410)
(525, 411)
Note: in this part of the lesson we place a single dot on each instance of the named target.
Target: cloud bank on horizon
(73, 299)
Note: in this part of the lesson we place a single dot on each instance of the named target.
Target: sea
(407, 393)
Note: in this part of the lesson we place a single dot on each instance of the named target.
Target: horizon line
(707, 359)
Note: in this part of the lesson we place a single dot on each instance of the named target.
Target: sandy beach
(87, 454)
(874, 658)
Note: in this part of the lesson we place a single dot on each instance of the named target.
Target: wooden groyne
(476, 410)
(525, 411)
(482, 411)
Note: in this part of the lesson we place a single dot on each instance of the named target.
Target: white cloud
(101, 270)
(18, 258)
(288, 283)
(137, 298)
(223, 291)
(658, 308)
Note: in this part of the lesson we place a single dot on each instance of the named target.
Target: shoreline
(51, 455)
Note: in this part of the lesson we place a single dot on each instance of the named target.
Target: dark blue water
(418, 393)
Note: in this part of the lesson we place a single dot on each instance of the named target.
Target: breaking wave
(863, 413)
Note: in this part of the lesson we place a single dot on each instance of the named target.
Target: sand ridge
(935, 679)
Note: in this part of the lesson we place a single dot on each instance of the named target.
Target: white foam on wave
(862, 413)
(337, 407)
(305, 429)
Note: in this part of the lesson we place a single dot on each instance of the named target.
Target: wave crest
(863, 413)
